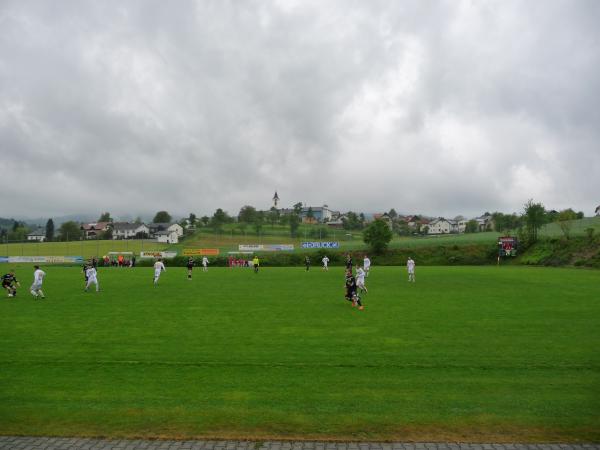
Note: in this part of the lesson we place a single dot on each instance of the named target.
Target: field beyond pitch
(465, 354)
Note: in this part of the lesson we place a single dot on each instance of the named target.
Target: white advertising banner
(158, 254)
(265, 248)
(43, 259)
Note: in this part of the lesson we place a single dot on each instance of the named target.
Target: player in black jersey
(351, 291)
(307, 262)
(10, 283)
(348, 262)
(85, 267)
(190, 266)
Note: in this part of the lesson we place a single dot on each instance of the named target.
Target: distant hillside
(578, 227)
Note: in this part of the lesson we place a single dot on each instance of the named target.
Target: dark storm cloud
(438, 107)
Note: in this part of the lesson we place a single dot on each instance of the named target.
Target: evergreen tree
(50, 230)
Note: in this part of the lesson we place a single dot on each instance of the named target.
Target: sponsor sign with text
(42, 259)
(320, 245)
(200, 252)
(158, 254)
(265, 248)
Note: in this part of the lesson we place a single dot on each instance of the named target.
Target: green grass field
(464, 354)
(87, 249)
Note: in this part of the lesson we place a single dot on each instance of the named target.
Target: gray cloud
(441, 107)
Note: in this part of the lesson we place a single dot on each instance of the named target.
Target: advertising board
(320, 244)
(265, 248)
(200, 252)
(158, 254)
(43, 259)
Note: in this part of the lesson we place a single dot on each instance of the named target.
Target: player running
(349, 262)
(190, 266)
(204, 264)
(410, 267)
(307, 262)
(92, 278)
(38, 280)
(360, 279)
(84, 269)
(325, 262)
(10, 283)
(159, 267)
(367, 265)
(351, 294)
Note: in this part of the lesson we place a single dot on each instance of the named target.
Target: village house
(38, 235)
(126, 230)
(95, 229)
(443, 226)
(167, 236)
(154, 228)
(485, 222)
(384, 217)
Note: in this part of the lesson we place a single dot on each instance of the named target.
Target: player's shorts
(360, 284)
(92, 280)
(36, 286)
(157, 273)
(6, 284)
(190, 267)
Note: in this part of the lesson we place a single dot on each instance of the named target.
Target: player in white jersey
(410, 267)
(367, 265)
(158, 268)
(360, 279)
(325, 263)
(204, 264)
(38, 279)
(92, 277)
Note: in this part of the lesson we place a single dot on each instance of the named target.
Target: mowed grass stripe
(230, 353)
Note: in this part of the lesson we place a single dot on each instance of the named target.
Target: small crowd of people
(119, 261)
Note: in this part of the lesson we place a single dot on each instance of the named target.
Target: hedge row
(577, 251)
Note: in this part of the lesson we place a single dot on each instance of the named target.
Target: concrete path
(43, 443)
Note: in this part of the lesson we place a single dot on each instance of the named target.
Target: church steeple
(275, 199)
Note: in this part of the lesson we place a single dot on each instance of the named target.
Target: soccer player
(84, 270)
(190, 266)
(360, 279)
(307, 262)
(158, 268)
(92, 277)
(204, 264)
(351, 294)
(348, 262)
(38, 279)
(10, 283)
(255, 263)
(325, 261)
(410, 266)
(367, 265)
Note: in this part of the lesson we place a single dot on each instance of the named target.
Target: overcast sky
(438, 107)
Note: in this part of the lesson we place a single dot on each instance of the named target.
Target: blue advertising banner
(320, 244)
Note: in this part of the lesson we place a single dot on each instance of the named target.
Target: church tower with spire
(275, 199)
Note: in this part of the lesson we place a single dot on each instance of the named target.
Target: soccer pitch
(464, 354)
